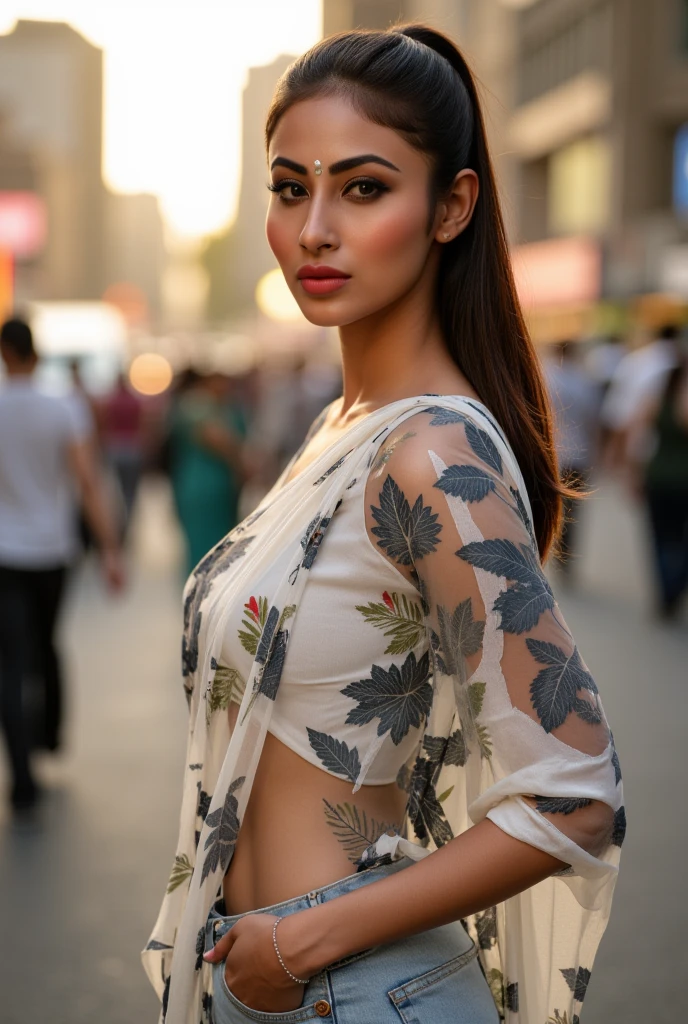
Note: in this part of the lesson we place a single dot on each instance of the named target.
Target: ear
(456, 209)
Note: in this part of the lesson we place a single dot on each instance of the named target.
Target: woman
(374, 656)
(206, 468)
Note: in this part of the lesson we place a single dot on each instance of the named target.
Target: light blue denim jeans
(431, 978)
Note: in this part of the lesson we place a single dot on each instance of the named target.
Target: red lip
(321, 280)
(320, 271)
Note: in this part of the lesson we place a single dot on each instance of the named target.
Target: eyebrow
(283, 161)
(356, 161)
(337, 168)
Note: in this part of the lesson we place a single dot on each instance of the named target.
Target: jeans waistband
(219, 923)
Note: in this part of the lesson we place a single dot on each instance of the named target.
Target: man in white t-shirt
(45, 452)
(637, 381)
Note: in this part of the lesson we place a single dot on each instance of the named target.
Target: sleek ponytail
(415, 81)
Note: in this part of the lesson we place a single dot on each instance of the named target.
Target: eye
(364, 189)
(288, 190)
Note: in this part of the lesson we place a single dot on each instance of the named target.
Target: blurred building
(236, 259)
(587, 111)
(344, 15)
(51, 101)
(484, 29)
(599, 137)
(72, 238)
(135, 256)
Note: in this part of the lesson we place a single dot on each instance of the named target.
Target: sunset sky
(174, 72)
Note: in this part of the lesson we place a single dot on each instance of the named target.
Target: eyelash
(280, 186)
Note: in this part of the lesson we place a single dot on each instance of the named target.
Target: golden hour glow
(174, 75)
(275, 300)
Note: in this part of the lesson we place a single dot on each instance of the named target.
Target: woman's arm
(478, 869)
(442, 508)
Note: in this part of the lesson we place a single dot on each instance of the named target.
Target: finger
(221, 948)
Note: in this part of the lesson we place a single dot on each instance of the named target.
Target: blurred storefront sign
(6, 283)
(559, 282)
(681, 170)
(558, 272)
(23, 224)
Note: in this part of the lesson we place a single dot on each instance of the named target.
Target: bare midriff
(295, 835)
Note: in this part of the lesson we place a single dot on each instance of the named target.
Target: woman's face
(354, 238)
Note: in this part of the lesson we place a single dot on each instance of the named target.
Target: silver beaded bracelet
(293, 977)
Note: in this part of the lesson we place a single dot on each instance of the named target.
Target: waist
(323, 828)
(219, 922)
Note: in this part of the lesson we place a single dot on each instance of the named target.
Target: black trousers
(29, 606)
(668, 509)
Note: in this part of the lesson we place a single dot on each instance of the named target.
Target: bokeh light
(150, 374)
(275, 300)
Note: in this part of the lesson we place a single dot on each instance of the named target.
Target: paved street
(79, 888)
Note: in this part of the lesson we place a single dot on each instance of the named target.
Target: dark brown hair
(415, 81)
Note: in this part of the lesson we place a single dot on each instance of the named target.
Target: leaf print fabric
(254, 623)
(405, 533)
(224, 823)
(397, 617)
(469, 690)
(399, 697)
(517, 691)
(335, 755)
(213, 565)
(554, 689)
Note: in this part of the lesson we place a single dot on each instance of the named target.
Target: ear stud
(318, 166)
(446, 235)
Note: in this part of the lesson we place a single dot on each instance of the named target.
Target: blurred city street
(162, 361)
(79, 888)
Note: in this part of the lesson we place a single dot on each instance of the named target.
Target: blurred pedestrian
(575, 401)
(638, 380)
(44, 453)
(121, 416)
(665, 485)
(206, 465)
(602, 360)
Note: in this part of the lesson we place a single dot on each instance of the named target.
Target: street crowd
(71, 466)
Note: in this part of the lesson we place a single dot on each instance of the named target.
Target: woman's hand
(252, 971)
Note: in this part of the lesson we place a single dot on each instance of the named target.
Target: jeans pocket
(227, 1009)
(453, 993)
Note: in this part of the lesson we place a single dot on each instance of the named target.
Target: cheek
(395, 236)
(280, 235)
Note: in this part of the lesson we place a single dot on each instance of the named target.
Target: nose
(318, 233)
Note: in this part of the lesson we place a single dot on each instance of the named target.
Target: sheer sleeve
(514, 707)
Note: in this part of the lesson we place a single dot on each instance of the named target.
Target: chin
(327, 313)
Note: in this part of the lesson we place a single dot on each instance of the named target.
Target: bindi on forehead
(339, 167)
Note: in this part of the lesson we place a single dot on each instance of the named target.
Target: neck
(396, 353)
(18, 370)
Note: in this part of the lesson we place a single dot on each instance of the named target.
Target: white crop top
(340, 648)
(419, 518)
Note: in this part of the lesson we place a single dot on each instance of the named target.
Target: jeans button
(322, 1008)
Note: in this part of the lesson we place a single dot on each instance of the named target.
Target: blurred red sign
(23, 223)
(558, 272)
(6, 283)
